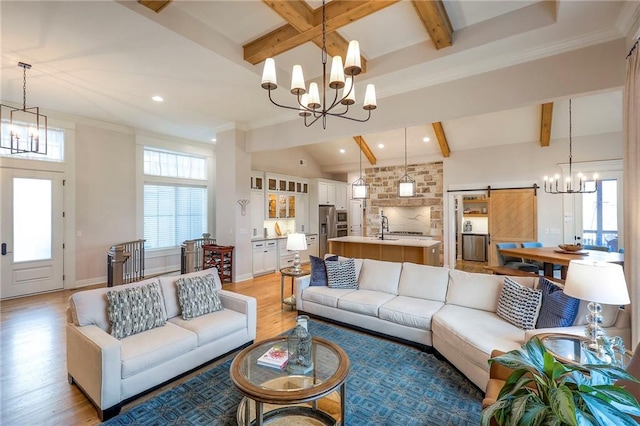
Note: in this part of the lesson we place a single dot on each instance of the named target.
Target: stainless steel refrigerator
(328, 228)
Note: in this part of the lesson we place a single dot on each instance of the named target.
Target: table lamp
(597, 282)
(296, 242)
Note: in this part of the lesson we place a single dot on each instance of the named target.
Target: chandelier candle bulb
(269, 75)
(297, 81)
(352, 64)
(349, 93)
(337, 73)
(370, 97)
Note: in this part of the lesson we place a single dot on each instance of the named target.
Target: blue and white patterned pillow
(198, 296)
(557, 309)
(519, 305)
(135, 309)
(341, 274)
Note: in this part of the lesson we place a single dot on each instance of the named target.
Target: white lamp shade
(297, 80)
(370, 97)
(269, 73)
(337, 73)
(406, 189)
(352, 64)
(314, 96)
(598, 282)
(296, 242)
(349, 92)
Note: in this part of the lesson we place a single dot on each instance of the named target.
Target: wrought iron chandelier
(552, 185)
(309, 106)
(26, 126)
(406, 185)
(360, 188)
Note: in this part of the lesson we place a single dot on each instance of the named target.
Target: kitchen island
(425, 252)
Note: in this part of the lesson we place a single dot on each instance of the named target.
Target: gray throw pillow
(341, 274)
(135, 309)
(519, 305)
(319, 270)
(198, 296)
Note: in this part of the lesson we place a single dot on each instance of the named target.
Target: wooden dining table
(550, 256)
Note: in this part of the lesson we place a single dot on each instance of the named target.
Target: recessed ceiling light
(342, 151)
(380, 145)
(426, 139)
(157, 98)
(213, 139)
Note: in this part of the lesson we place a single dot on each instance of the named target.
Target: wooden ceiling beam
(545, 124)
(303, 27)
(436, 21)
(365, 149)
(442, 139)
(155, 5)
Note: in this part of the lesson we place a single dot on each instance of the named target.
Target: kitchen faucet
(385, 224)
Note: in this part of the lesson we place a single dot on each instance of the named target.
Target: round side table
(290, 272)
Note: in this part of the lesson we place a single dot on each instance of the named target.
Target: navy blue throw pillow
(319, 270)
(557, 309)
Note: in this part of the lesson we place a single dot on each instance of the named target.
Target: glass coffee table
(282, 398)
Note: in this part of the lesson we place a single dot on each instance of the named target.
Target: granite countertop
(274, 237)
(391, 241)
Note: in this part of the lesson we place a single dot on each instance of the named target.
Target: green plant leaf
(562, 405)
(606, 414)
(495, 410)
(617, 396)
(535, 414)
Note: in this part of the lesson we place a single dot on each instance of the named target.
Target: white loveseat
(450, 310)
(111, 371)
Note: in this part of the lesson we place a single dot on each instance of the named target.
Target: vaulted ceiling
(105, 60)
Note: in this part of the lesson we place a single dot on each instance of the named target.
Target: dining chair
(535, 244)
(598, 248)
(514, 262)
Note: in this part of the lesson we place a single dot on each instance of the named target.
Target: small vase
(300, 348)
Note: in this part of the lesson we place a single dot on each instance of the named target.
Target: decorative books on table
(275, 357)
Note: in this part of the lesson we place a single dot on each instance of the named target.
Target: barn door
(512, 218)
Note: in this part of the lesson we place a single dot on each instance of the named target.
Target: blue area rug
(388, 384)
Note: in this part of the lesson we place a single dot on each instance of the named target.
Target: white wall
(287, 162)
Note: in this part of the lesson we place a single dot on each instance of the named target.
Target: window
(175, 198)
(600, 214)
(55, 145)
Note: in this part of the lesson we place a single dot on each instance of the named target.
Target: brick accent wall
(383, 183)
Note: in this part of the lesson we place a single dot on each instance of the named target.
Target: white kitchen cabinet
(302, 213)
(265, 256)
(327, 193)
(341, 197)
(257, 213)
(285, 257)
(312, 248)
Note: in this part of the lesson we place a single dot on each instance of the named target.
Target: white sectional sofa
(450, 310)
(111, 371)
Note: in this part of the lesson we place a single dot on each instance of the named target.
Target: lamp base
(296, 263)
(593, 329)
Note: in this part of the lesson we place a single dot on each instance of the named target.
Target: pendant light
(359, 188)
(406, 185)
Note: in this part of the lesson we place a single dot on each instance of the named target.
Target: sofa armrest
(244, 304)
(301, 284)
(94, 363)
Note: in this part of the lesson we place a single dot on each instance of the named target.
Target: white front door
(31, 232)
(355, 218)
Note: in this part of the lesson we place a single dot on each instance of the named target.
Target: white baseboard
(244, 277)
(90, 281)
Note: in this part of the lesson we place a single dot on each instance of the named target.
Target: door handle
(4, 249)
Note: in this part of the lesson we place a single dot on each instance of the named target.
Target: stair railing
(191, 253)
(125, 263)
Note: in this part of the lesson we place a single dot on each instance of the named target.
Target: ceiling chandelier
(406, 185)
(27, 127)
(309, 105)
(552, 185)
(360, 188)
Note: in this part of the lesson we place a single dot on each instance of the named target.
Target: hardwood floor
(33, 383)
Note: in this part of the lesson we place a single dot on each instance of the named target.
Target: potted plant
(543, 391)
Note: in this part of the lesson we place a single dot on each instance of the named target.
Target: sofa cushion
(142, 351)
(364, 302)
(170, 289)
(358, 262)
(213, 326)
(319, 270)
(475, 333)
(379, 275)
(479, 291)
(197, 296)
(341, 274)
(519, 305)
(423, 281)
(557, 309)
(89, 307)
(324, 295)
(135, 309)
(410, 311)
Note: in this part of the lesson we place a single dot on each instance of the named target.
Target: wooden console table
(220, 257)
